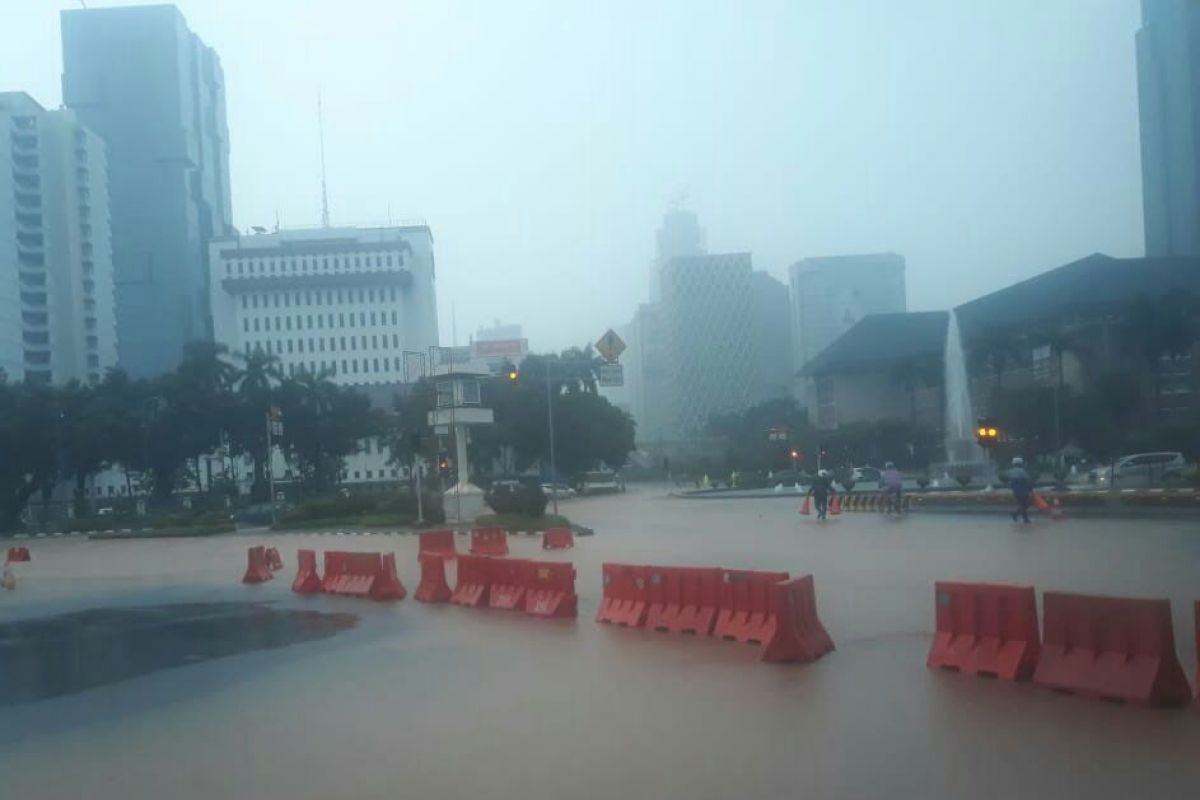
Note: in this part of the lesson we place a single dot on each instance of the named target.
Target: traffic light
(795, 454)
(987, 434)
(512, 374)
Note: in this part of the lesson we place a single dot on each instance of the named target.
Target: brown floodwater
(445, 702)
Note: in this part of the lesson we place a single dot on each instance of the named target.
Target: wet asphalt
(274, 695)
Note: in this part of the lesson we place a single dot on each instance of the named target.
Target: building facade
(707, 315)
(56, 302)
(679, 236)
(829, 295)
(774, 368)
(1168, 65)
(357, 303)
(151, 89)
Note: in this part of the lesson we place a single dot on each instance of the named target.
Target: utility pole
(272, 422)
(550, 421)
(416, 445)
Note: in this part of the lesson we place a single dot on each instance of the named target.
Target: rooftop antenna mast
(324, 193)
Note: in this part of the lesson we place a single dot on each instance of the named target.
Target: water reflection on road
(46, 657)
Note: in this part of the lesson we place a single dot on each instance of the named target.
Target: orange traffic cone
(806, 506)
(1056, 512)
(835, 505)
(1040, 503)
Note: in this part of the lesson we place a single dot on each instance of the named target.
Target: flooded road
(444, 702)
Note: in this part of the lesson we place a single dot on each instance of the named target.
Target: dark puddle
(52, 656)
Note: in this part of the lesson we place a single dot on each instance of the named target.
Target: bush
(923, 481)
(964, 478)
(401, 504)
(527, 500)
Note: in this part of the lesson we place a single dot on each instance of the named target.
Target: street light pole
(550, 422)
(270, 469)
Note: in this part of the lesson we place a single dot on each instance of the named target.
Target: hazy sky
(985, 141)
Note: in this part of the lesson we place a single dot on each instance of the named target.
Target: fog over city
(986, 142)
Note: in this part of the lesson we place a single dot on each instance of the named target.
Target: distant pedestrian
(893, 487)
(820, 491)
(1022, 489)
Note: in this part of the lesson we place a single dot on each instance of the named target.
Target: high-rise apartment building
(708, 320)
(1168, 62)
(56, 290)
(142, 81)
(359, 303)
(831, 294)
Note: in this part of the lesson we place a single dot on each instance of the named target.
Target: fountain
(963, 453)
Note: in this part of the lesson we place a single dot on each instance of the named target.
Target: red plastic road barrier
(438, 543)
(16, 554)
(1111, 647)
(799, 634)
(307, 581)
(835, 505)
(349, 573)
(625, 597)
(433, 587)
(257, 570)
(985, 629)
(472, 582)
(387, 585)
(489, 542)
(682, 599)
(274, 562)
(550, 589)
(806, 506)
(557, 539)
(508, 578)
(744, 610)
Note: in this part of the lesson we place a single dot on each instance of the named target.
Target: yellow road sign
(610, 346)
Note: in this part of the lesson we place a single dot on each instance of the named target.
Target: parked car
(1143, 469)
(867, 475)
(562, 488)
(601, 482)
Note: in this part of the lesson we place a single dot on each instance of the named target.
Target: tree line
(195, 425)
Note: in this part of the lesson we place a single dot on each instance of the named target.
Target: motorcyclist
(893, 487)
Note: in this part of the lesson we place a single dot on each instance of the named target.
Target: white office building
(56, 302)
(355, 302)
(359, 304)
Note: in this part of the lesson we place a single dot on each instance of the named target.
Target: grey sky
(986, 141)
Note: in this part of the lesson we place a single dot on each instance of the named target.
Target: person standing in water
(820, 491)
(1022, 489)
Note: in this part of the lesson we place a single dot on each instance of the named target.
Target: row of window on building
(335, 344)
(305, 321)
(318, 297)
(383, 366)
(303, 264)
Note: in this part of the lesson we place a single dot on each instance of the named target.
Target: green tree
(322, 424)
(28, 443)
(254, 383)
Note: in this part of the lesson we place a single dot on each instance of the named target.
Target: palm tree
(207, 366)
(260, 371)
(259, 374)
